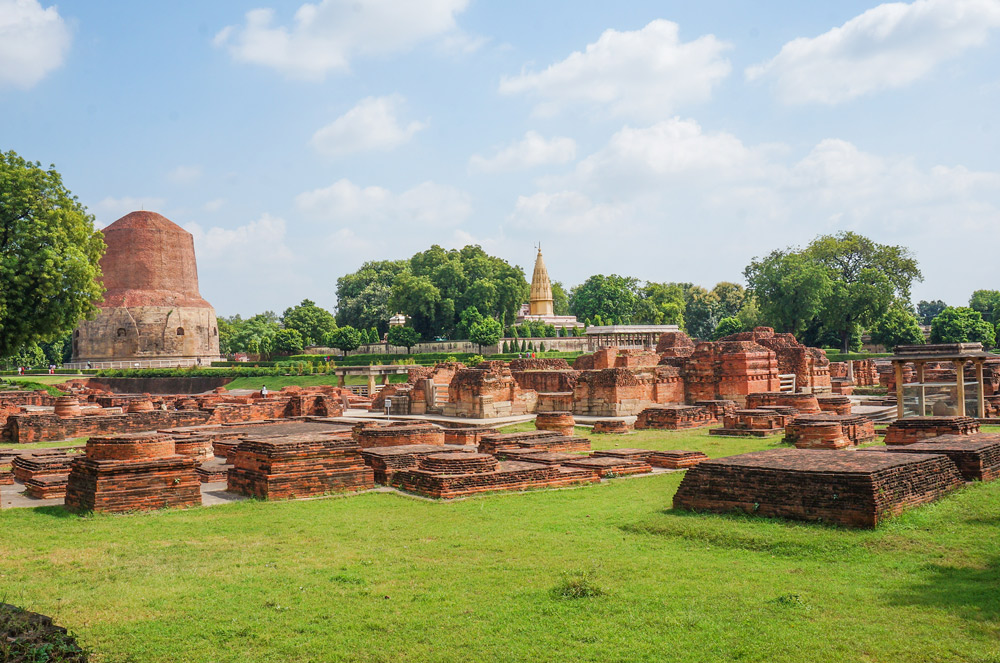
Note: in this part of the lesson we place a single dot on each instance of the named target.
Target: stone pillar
(342, 379)
(850, 370)
(982, 395)
(898, 368)
(385, 379)
(960, 383)
(371, 384)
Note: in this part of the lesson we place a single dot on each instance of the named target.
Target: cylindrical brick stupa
(152, 312)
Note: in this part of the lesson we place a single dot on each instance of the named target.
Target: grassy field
(277, 382)
(384, 577)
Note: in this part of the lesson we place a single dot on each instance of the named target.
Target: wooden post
(981, 398)
(960, 383)
(898, 367)
(922, 394)
(342, 379)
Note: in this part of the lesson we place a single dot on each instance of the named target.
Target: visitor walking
(263, 391)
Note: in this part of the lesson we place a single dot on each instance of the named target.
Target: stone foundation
(676, 459)
(834, 403)
(855, 489)
(610, 466)
(916, 429)
(532, 440)
(612, 426)
(467, 436)
(857, 429)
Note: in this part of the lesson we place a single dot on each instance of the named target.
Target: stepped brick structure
(550, 441)
(399, 434)
(450, 475)
(132, 472)
(676, 459)
(612, 426)
(751, 423)
(298, 466)
(675, 344)
(857, 429)
(803, 403)
(917, 429)
(852, 488)
(834, 403)
(559, 422)
(609, 466)
(674, 417)
(387, 461)
(488, 391)
(467, 435)
(976, 456)
(816, 434)
(730, 369)
(152, 309)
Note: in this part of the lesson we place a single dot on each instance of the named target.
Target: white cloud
(111, 209)
(371, 125)
(325, 36)
(568, 212)
(214, 205)
(260, 241)
(184, 174)
(647, 73)
(888, 46)
(531, 151)
(425, 205)
(33, 42)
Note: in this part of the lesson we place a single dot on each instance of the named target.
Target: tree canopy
(403, 337)
(960, 324)
(613, 298)
(927, 311)
(344, 338)
(363, 296)
(310, 321)
(897, 327)
(49, 255)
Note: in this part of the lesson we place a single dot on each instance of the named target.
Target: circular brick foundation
(67, 406)
(613, 427)
(817, 435)
(559, 422)
(140, 406)
(131, 446)
(458, 462)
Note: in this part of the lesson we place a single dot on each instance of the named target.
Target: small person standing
(263, 391)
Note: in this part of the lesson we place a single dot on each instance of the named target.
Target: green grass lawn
(276, 382)
(384, 577)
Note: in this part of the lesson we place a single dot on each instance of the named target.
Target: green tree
(560, 299)
(30, 355)
(363, 296)
(611, 297)
(730, 297)
(312, 322)
(468, 319)
(49, 253)
(288, 341)
(660, 304)
(485, 332)
(866, 277)
(897, 327)
(701, 311)
(962, 325)
(524, 345)
(506, 347)
(254, 335)
(344, 338)
(987, 302)
(927, 311)
(403, 337)
(789, 288)
(727, 326)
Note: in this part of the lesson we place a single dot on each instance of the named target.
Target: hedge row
(249, 372)
(58, 371)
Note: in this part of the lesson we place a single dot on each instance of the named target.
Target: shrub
(475, 360)
(577, 585)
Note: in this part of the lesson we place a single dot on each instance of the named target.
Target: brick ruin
(977, 457)
(488, 391)
(917, 429)
(137, 471)
(398, 434)
(559, 422)
(751, 423)
(612, 427)
(850, 488)
(855, 428)
(674, 417)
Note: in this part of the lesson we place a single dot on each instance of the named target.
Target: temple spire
(540, 301)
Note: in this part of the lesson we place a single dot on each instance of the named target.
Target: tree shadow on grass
(968, 592)
(56, 511)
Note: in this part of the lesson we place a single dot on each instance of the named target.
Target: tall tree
(560, 299)
(660, 304)
(987, 302)
(363, 296)
(613, 298)
(927, 311)
(344, 338)
(310, 321)
(485, 332)
(49, 253)
(897, 327)
(789, 289)
(960, 324)
(404, 337)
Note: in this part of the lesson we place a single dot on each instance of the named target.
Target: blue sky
(671, 141)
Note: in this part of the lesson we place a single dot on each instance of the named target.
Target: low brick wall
(916, 429)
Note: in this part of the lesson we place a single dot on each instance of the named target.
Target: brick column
(982, 392)
(898, 367)
(960, 382)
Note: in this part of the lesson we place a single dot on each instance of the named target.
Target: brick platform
(456, 475)
(298, 466)
(628, 454)
(46, 487)
(852, 488)
(612, 427)
(976, 456)
(816, 434)
(386, 461)
(718, 408)
(132, 472)
(395, 435)
(467, 436)
(609, 466)
(916, 429)
(834, 403)
(213, 472)
(803, 403)
(492, 444)
(549, 443)
(674, 417)
(751, 423)
(559, 422)
(36, 465)
(856, 428)
(677, 459)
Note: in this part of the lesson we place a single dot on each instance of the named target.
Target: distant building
(541, 306)
(152, 313)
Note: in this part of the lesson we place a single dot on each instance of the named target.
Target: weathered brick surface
(390, 436)
(507, 475)
(559, 422)
(857, 429)
(470, 435)
(298, 466)
(976, 456)
(916, 429)
(834, 403)
(852, 488)
(536, 440)
(386, 461)
(488, 391)
(677, 459)
(30, 466)
(816, 434)
(612, 426)
(674, 417)
(751, 423)
(46, 487)
(803, 403)
(675, 344)
(610, 466)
